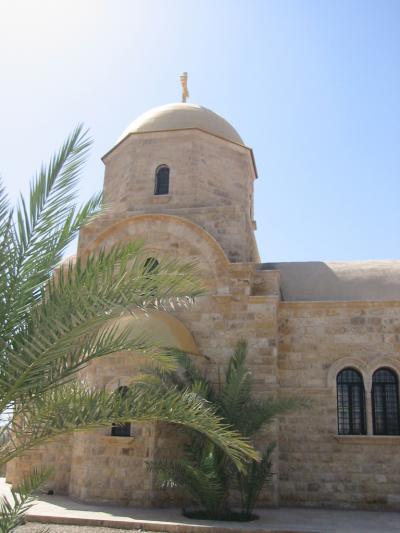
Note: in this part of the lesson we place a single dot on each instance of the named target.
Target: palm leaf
(44, 226)
(236, 391)
(253, 479)
(199, 480)
(75, 321)
(12, 511)
(260, 413)
(76, 407)
(234, 403)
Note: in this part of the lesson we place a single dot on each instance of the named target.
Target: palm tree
(54, 322)
(206, 472)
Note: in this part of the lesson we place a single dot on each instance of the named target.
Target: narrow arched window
(385, 402)
(124, 429)
(150, 264)
(149, 271)
(350, 402)
(162, 180)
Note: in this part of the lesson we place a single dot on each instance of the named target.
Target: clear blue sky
(312, 86)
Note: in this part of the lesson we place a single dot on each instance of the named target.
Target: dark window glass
(150, 267)
(385, 402)
(150, 264)
(350, 403)
(121, 430)
(162, 180)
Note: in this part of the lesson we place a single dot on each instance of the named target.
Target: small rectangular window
(121, 430)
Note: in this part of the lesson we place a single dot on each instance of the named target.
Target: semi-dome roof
(183, 116)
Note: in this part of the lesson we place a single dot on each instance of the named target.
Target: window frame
(352, 388)
(156, 180)
(121, 430)
(383, 386)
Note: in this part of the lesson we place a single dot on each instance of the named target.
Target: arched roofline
(161, 322)
(348, 362)
(191, 226)
(384, 362)
(366, 369)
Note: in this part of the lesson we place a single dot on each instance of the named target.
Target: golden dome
(182, 116)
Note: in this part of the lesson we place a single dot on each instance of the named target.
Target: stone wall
(241, 303)
(318, 467)
(55, 455)
(113, 469)
(211, 183)
(218, 322)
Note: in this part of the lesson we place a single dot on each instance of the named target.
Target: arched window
(150, 264)
(121, 430)
(350, 402)
(162, 180)
(385, 402)
(149, 271)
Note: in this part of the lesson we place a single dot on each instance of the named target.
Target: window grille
(350, 403)
(124, 429)
(385, 402)
(162, 180)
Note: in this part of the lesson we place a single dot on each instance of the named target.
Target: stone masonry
(296, 346)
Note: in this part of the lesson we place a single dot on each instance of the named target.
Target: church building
(181, 178)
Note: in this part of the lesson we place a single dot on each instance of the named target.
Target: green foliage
(206, 473)
(199, 478)
(77, 407)
(253, 479)
(55, 320)
(12, 509)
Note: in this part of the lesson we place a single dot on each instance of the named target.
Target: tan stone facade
(296, 347)
(318, 467)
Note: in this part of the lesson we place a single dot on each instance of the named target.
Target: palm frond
(253, 479)
(5, 210)
(260, 413)
(44, 225)
(236, 391)
(76, 407)
(13, 510)
(199, 481)
(8, 258)
(75, 321)
(234, 403)
(190, 375)
(52, 192)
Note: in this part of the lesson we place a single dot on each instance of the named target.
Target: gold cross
(185, 92)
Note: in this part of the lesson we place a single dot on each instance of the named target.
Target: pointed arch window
(350, 402)
(124, 429)
(385, 402)
(162, 180)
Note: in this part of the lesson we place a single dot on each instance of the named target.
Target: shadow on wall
(356, 280)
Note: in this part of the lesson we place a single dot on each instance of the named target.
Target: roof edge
(182, 129)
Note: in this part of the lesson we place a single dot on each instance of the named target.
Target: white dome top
(183, 116)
